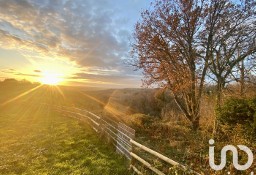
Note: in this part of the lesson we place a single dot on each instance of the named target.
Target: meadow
(35, 139)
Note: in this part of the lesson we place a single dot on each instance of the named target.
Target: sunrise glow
(51, 79)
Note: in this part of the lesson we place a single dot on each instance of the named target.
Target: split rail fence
(123, 138)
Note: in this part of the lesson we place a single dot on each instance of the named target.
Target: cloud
(17, 73)
(107, 78)
(88, 32)
(26, 75)
(68, 28)
(8, 71)
(37, 71)
(109, 81)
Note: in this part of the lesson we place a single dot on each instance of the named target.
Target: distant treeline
(12, 81)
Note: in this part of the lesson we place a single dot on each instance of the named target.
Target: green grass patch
(36, 140)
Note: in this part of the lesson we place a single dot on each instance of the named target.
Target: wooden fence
(123, 137)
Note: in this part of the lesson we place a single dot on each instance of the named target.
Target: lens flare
(51, 78)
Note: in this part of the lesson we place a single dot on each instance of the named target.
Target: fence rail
(122, 136)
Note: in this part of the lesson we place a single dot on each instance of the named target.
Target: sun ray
(93, 98)
(109, 108)
(61, 92)
(21, 95)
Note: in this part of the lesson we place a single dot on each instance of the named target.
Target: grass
(37, 140)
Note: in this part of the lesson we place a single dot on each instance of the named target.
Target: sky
(76, 42)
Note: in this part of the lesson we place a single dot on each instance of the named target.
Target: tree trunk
(220, 87)
(191, 111)
(195, 123)
(242, 81)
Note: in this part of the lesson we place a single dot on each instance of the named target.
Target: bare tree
(243, 72)
(234, 39)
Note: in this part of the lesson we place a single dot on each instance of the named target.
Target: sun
(51, 79)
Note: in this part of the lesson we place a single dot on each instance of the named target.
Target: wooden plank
(97, 124)
(135, 170)
(123, 142)
(98, 117)
(130, 135)
(121, 146)
(172, 162)
(120, 150)
(164, 158)
(124, 134)
(118, 138)
(95, 129)
(108, 124)
(120, 143)
(130, 131)
(148, 165)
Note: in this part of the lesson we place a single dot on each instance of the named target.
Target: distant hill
(123, 102)
(118, 103)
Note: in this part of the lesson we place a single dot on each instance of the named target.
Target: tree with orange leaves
(174, 45)
(166, 47)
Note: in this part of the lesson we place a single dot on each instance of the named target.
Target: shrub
(237, 111)
(140, 120)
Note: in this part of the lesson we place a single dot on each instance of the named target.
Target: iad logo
(233, 149)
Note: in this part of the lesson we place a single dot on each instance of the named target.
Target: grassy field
(34, 139)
